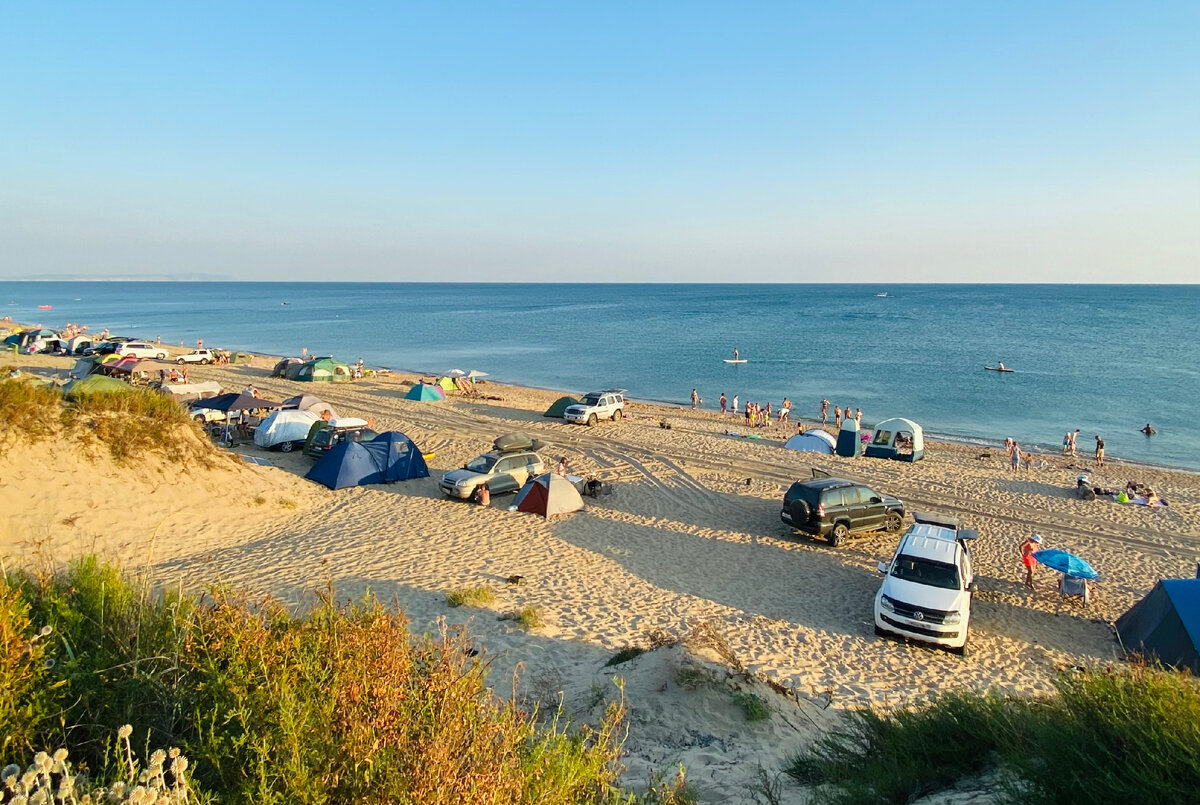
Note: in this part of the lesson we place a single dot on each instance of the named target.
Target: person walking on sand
(824, 412)
(1014, 456)
(1028, 548)
(695, 399)
(785, 411)
(735, 404)
(837, 418)
(724, 403)
(1074, 441)
(1099, 451)
(1067, 443)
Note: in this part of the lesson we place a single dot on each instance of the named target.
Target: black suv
(834, 508)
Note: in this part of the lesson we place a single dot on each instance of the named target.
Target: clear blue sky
(689, 141)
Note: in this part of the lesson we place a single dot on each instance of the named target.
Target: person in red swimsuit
(1028, 548)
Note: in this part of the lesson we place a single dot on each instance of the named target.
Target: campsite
(688, 537)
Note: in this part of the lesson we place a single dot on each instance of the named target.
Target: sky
(591, 142)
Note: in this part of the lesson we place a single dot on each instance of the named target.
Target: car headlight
(886, 603)
(952, 619)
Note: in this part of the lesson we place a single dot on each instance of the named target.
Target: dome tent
(388, 457)
(812, 441)
(425, 392)
(559, 407)
(548, 494)
(320, 370)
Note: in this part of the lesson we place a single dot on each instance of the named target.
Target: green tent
(325, 370)
(447, 384)
(95, 384)
(560, 406)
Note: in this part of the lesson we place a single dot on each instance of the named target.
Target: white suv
(926, 594)
(595, 405)
(140, 349)
(197, 356)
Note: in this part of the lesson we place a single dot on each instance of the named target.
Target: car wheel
(591, 420)
(879, 632)
(893, 522)
(837, 537)
(286, 447)
(616, 417)
(162, 356)
(206, 361)
(180, 361)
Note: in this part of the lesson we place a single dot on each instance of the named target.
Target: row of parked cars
(928, 584)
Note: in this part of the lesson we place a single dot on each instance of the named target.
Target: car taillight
(820, 509)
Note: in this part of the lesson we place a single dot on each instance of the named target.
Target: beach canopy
(234, 402)
(897, 438)
(192, 391)
(1066, 563)
(324, 370)
(474, 373)
(284, 426)
(547, 495)
(456, 373)
(848, 443)
(425, 392)
(127, 365)
(310, 403)
(559, 407)
(1165, 625)
(95, 384)
(389, 457)
(812, 441)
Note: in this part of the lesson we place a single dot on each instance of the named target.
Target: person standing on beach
(837, 418)
(1067, 444)
(1014, 456)
(858, 417)
(735, 404)
(1028, 548)
(695, 399)
(785, 411)
(304, 353)
(199, 343)
(724, 403)
(824, 412)
(1099, 451)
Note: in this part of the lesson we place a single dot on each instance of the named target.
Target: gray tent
(1165, 625)
(309, 402)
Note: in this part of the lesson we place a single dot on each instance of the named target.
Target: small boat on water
(285, 303)
(881, 295)
(998, 369)
(45, 307)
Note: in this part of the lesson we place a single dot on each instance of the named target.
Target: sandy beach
(688, 543)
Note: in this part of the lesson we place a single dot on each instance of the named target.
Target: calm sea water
(1106, 359)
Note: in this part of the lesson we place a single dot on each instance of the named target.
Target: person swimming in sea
(1149, 430)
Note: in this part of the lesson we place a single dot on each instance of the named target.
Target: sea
(1106, 359)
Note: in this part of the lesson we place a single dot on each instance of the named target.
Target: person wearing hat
(1028, 547)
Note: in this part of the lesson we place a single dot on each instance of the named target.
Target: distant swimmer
(1149, 430)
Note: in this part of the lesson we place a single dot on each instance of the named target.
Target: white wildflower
(41, 761)
(157, 758)
(125, 731)
(45, 630)
(180, 765)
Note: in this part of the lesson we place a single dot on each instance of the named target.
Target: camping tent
(424, 392)
(280, 369)
(812, 441)
(391, 456)
(192, 391)
(898, 438)
(848, 443)
(83, 368)
(446, 384)
(309, 402)
(234, 402)
(127, 365)
(319, 370)
(78, 344)
(1165, 624)
(284, 426)
(95, 384)
(559, 407)
(548, 494)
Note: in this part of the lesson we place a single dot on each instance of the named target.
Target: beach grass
(530, 617)
(340, 704)
(1108, 736)
(480, 596)
(752, 705)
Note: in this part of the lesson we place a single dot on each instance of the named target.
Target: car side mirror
(882, 568)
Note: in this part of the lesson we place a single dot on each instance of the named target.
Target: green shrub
(625, 655)
(341, 705)
(1119, 735)
(752, 705)
(480, 596)
(530, 617)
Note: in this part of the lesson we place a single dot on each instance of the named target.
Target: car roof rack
(943, 520)
(614, 391)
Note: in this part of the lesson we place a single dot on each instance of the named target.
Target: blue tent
(848, 443)
(425, 392)
(398, 456)
(812, 441)
(1165, 625)
(388, 457)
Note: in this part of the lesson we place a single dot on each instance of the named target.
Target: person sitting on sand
(1151, 497)
(483, 495)
(562, 466)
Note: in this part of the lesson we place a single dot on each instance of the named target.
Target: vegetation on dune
(128, 424)
(480, 596)
(342, 704)
(1109, 736)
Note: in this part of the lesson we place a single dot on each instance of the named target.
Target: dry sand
(690, 536)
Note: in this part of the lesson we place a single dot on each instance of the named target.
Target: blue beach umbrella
(1066, 563)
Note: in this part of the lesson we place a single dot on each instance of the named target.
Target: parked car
(501, 471)
(927, 587)
(597, 405)
(197, 356)
(335, 432)
(141, 349)
(835, 508)
(103, 348)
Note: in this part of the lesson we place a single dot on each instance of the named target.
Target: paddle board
(731, 360)
(998, 369)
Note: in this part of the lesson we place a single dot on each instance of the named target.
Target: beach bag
(1122, 497)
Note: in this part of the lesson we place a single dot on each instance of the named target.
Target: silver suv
(596, 405)
(502, 472)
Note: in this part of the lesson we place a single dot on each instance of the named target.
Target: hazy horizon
(923, 143)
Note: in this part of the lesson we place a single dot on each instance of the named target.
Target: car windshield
(924, 571)
(591, 399)
(482, 464)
